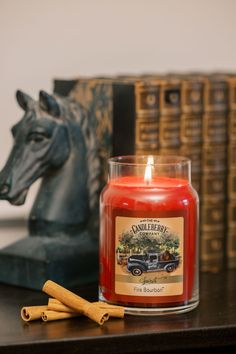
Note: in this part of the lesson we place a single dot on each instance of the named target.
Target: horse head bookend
(56, 142)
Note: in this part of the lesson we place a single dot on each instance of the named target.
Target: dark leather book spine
(214, 174)
(231, 234)
(147, 105)
(170, 108)
(194, 153)
(191, 125)
(63, 87)
(123, 118)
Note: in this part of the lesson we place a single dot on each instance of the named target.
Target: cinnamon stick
(31, 313)
(113, 310)
(56, 305)
(76, 302)
(49, 315)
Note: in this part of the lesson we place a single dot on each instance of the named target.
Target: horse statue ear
(23, 100)
(49, 104)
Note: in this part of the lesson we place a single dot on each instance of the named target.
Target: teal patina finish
(55, 141)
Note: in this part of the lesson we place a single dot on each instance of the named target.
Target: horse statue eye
(36, 137)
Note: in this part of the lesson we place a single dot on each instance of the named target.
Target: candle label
(149, 256)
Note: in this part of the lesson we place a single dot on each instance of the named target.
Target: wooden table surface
(211, 325)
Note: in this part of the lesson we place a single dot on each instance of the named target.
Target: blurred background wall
(42, 40)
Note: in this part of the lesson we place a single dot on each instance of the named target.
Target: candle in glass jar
(148, 235)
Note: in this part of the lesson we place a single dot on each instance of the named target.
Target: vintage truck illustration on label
(138, 264)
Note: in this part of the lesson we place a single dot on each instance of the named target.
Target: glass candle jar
(149, 235)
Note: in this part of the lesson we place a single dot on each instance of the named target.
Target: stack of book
(190, 114)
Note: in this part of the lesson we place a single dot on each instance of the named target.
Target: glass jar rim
(142, 160)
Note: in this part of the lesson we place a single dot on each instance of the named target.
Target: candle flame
(148, 170)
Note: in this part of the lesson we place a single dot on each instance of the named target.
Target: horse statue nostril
(4, 189)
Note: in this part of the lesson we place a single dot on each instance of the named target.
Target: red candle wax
(151, 226)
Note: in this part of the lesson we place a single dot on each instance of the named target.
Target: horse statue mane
(55, 141)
